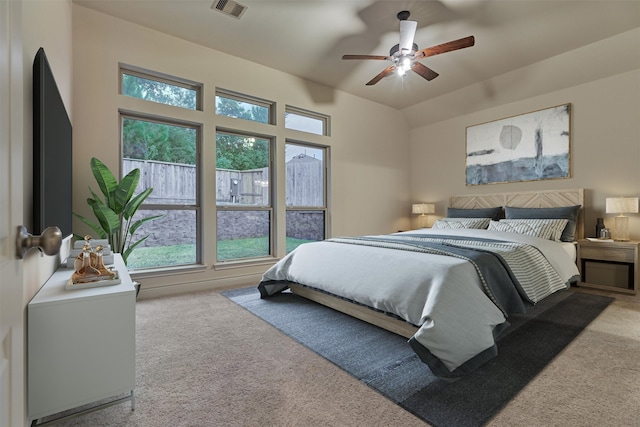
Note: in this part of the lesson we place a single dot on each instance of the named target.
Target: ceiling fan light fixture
(404, 65)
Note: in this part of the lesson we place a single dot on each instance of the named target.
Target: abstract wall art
(527, 147)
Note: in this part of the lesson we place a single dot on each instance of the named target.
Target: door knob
(48, 242)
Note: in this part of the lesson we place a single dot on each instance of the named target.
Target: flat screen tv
(52, 145)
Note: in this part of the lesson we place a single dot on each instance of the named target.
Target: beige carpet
(204, 361)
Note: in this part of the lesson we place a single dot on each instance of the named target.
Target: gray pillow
(459, 223)
(565, 212)
(493, 213)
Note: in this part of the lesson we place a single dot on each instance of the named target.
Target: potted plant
(116, 209)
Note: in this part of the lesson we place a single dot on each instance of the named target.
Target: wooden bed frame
(531, 199)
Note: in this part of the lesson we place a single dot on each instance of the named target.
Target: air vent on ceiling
(229, 7)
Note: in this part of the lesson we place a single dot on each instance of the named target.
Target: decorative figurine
(89, 265)
(100, 263)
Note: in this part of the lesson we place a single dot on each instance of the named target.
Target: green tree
(164, 93)
(240, 152)
(147, 140)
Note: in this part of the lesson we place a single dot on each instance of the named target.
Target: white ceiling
(307, 38)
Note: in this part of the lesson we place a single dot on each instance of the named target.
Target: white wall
(605, 137)
(369, 142)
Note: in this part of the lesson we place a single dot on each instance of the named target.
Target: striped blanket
(530, 272)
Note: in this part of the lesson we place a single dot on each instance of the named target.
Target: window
(165, 143)
(243, 197)
(239, 106)
(305, 194)
(306, 121)
(163, 90)
(166, 152)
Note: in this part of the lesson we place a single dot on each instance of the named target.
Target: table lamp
(621, 205)
(422, 209)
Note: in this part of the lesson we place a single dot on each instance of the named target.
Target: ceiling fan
(405, 55)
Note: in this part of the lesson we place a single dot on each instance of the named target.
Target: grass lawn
(160, 256)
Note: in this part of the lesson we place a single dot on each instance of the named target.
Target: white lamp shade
(423, 208)
(622, 205)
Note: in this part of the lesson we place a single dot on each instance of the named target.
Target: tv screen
(52, 145)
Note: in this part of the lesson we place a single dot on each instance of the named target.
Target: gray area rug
(385, 362)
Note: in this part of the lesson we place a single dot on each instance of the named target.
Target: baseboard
(147, 292)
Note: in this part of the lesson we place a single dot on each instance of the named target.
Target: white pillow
(550, 229)
(445, 223)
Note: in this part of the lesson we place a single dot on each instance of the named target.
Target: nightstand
(612, 266)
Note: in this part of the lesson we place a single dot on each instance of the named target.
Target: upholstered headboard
(527, 199)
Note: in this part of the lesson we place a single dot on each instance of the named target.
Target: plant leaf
(135, 203)
(109, 220)
(95, 227)
(139, 222)
(125, 190)
(95, 196)
(131, 247)
(105, 179)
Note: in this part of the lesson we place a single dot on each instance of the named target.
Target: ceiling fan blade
(424, 71)
(382, 57)
(407, 34)
(382, 75)
(445, 47)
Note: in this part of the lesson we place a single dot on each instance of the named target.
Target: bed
(449, 289)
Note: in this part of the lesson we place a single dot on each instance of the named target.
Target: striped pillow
(550, 229)
(457, 223)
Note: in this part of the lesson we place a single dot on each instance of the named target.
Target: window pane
(172, 239)
(242, 170)
(242, 109)
(304, 176)
(304, 226)
(150, 140)
(243, 234)
(160, 92)
(304, 188)
(166, 156)
(306, 121)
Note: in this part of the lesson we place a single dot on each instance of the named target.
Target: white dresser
(81, 344)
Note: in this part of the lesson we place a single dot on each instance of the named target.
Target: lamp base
(621, 231)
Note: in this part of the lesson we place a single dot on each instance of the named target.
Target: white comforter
(442, 295)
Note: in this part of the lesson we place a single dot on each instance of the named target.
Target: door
(12, 390)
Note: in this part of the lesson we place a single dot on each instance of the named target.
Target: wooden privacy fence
(175, 184)
(250, 187)
(304, 183)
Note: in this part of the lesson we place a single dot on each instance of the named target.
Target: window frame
(248, 99)
(196, 207)
(323, 118)
(161, 78)
(270, 208)
(325, 183)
